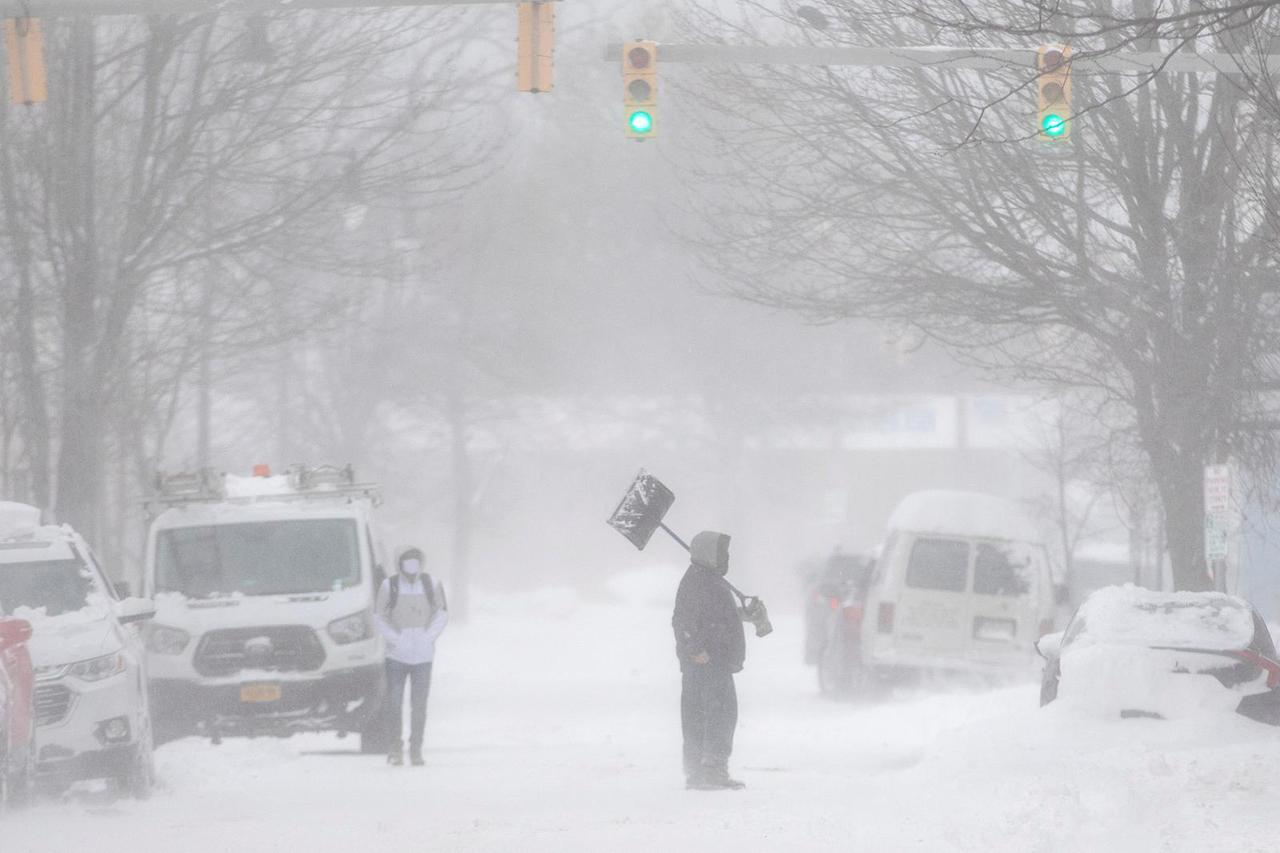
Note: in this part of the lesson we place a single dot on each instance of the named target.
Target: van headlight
(96, 669)
(164, 640)
(351, 629)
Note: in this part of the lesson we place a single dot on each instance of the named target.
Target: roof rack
(301, 482)
(302, 477)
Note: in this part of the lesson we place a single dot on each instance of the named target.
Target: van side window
(941, 564)
(1002, 570)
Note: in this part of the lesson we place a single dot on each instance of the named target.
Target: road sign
(1222, 521)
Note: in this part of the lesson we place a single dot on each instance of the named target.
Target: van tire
(838, 675)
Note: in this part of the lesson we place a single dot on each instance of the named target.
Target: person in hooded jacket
(410, 613)
(711, 647)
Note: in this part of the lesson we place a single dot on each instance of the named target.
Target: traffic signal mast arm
(947, 58)
(94, 8)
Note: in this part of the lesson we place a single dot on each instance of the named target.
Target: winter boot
(395, 757)
(415, 757)
(718, 779)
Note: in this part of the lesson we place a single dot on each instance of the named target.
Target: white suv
(92, 713)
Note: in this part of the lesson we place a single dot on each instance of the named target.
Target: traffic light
(640, 92)
(535, 47)
(24, 43)
(1053, 91)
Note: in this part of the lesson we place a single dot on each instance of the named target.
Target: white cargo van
(264, 589)
(962, 584)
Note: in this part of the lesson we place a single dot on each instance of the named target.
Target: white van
(962, 583)
(264, 590)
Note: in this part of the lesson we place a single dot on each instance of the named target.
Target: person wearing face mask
(410, 613)
(711, 647)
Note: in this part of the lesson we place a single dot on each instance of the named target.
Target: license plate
(260, 693)
(998, 630)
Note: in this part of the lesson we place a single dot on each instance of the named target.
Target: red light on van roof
(261, 470)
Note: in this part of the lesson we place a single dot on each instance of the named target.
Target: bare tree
(1138, 262)
(181, 152)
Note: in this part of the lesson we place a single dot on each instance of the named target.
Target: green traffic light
(1053, 125)
(640, 122)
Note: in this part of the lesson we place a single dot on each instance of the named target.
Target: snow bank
(971, 514)
(17, 516)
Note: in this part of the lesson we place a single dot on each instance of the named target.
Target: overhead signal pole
(24, 44)
(1054, 65)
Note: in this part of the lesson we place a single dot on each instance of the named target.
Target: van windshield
(941, 564)
(258, 558)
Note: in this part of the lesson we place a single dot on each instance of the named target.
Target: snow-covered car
(92, 715)
(833, 619)
(962, 584)
(1133, 652)
(264, 588)
(17, 711)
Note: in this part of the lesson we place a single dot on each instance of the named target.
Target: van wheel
(835, 670)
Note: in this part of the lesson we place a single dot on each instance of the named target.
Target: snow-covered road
(554, 726)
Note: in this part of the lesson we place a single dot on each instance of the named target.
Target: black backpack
(428, 584)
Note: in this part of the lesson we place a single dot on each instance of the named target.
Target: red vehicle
(17, 712)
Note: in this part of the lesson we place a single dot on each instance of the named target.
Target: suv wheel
(140, 776)
(4, 784)
(23, 786)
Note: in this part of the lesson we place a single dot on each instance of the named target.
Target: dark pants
(419, 678)
(708, 716)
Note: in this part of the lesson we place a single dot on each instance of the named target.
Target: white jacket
(411, 629)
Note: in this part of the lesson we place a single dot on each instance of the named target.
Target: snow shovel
(639, 515)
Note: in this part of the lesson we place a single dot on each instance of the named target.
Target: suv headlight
(164, 640)
(351, 629)
(96, 669)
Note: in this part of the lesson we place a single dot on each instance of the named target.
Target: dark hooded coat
(706, 615)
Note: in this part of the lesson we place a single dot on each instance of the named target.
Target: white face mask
(411, 567)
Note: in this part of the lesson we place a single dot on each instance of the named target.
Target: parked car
(91, 710)
(962, 584)
(265, 588)
(1132, 652)
(17, 712)
(833, 618)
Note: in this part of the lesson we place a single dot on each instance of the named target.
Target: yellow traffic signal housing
(640, 88)
(535, 47)
(24, 44)
(1053, 91)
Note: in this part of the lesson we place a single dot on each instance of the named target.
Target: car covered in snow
(264, 588)
(17, 711)
(962, 584)
(1133, 652)
(834, 601)
(91, 710)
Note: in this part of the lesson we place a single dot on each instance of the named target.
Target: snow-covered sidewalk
(554, 726)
